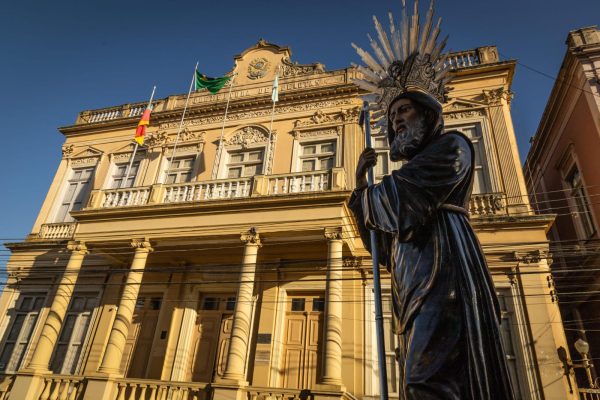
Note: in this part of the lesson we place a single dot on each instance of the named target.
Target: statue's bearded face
(408, 124)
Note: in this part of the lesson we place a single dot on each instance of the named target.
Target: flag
(140, 132)
(213, 85)
(275, 92)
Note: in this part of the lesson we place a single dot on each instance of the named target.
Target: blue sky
(61, 57)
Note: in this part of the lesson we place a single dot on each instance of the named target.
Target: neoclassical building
(226, 264)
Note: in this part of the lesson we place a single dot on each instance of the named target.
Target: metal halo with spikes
(403, 61)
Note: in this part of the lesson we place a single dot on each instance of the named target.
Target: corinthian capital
(333, 233)
(141, 245)
(77, 247)
(251, 236)
(494, 97)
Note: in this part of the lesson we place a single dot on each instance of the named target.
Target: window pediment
(462, 109)
(248, 136)
(87, 156)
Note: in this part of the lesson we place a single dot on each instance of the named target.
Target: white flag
(275, 92)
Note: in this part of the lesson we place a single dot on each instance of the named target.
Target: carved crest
(247, 136)
(258, 68)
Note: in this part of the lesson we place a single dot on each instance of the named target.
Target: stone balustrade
(463, 59)
(62, 387)
(111, 113)
(208, 190)
(145, 389)
(125, 197)
(258, 393)
(57, 231)
(589, 394)
(221, 189)
(6, 382)
(299, 182)
(487, 204)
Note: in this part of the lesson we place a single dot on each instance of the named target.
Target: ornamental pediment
(248, 136)
(187, 135)
(69, 151)
(321, 118)
(458, 105)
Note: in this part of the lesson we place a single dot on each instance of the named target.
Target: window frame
(244, 163)
(84, 187)
(305, 136)
(568, 164)
(27, 341)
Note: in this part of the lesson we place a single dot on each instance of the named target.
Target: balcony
(487, 205)
(57, 231)
(65, 387)
(221, 189)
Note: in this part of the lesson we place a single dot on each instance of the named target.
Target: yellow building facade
(226, 264)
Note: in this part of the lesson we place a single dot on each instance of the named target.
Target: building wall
(566, 141)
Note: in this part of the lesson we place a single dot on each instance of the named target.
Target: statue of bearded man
(446, 313)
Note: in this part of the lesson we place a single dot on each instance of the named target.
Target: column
(43, 351)
(120, 329)
(240, 331)
(332, 371)
(182, 359)
(29, 382)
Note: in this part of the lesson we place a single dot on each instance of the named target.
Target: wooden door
(213, 331)
(141, 335)
(303, 341)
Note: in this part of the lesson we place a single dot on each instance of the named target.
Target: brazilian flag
(213, 85)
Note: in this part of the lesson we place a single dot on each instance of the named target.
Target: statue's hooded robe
(446, 312)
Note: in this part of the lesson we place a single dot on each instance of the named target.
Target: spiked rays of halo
(403, 61)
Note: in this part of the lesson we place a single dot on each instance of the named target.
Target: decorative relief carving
(258, 68)
(290, 68)
(77, 247)
(84, 161)
(464, 114)
(251, 237)
(122, 157)
(333, 233)
(259, 113)
(317, 132)
(352, 262)
(67, 150)
(161, 138)
(494, 97)
(247, 136)
(319, 117)
(141, 245)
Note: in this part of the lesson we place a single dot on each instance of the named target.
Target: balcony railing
(315, 181)
(589, 394)
(487, 204)
(198, 191)
(258, 393)
(62, 387)
(57, 231)
(222, 189)
(143, 389)
(125, 197)
(111, 113)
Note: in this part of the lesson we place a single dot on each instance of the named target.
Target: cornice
(348, 90)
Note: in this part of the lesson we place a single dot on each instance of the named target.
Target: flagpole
(365, 118)
(124, 182)
(217, 160)
(268, 152)
(181, 121)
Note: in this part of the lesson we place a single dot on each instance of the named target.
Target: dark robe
(446, 312)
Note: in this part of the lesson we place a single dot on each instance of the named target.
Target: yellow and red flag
(140, 132)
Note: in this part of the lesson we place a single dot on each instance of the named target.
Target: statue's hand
(368, 159)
